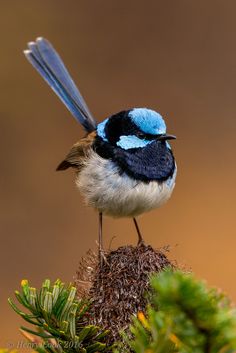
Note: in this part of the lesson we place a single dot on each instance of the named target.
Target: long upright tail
(48, 63)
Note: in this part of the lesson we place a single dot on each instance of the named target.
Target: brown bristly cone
(86, 273)
(120, 284)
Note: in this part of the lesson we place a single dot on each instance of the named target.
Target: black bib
(153, 162)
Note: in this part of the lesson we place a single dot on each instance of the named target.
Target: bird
(124, 165)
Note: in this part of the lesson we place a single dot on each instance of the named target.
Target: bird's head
(133, 128)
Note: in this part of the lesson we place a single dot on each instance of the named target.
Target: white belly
(119, 195)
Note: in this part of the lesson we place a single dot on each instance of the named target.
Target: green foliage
(57, 316)
(185, 317)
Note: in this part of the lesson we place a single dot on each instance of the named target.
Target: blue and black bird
(124, 165)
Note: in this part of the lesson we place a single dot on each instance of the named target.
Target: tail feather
(48, 63)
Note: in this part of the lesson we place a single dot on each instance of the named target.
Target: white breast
(119, 195)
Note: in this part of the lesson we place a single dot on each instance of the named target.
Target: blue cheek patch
(132, 141)
(101, 130)
(148, 121)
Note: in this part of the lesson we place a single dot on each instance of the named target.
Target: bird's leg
(140, 238)
(100, 245)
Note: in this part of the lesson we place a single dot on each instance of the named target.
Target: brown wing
(78, 153)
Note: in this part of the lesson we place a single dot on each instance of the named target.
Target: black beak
(164, 137)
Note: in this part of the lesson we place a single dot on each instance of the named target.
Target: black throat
(153, 162)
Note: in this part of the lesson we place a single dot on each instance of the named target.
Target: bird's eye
(141, 135)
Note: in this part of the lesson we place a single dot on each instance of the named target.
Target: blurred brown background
(178, 57)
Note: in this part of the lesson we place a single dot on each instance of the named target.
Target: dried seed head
(119, 286)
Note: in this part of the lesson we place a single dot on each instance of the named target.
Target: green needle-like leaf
(47, 303)
(55, 311)
(55, 293)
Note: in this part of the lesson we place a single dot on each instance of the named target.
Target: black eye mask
(120, 124)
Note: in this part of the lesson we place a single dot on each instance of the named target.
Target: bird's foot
(102, 257)
(140, 242)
